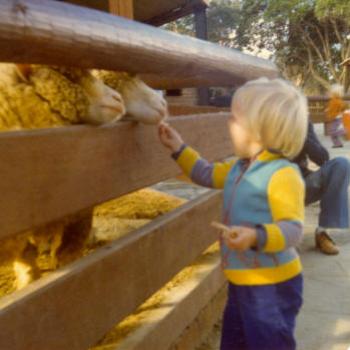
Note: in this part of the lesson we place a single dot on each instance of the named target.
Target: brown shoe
(325, 244)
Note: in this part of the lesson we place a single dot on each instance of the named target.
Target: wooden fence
(48, 174)
(317, 107)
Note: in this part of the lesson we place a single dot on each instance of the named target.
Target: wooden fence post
(122, 8)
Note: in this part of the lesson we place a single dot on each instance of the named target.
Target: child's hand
(169, 137)
(238, 238)
(244, 238)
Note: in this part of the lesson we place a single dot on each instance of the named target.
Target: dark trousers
(262, 317)
(330, 186)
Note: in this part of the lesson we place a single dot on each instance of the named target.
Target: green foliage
(326, 9)
(309, 38)
(183, 26)
(223, 16)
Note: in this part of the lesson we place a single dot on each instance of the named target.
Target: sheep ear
(24, 71)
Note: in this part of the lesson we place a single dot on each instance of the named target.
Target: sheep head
(47, 240)
(142, 103)
(75, 94)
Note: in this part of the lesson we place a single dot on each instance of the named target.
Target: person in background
(329, 185)
(334, 115)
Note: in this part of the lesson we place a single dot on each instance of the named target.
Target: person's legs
(335, 129)
(268, 313)
(334, 200)
(313, 187)
(232, 336)
(290, 299)
(330, 185)
(336, 141)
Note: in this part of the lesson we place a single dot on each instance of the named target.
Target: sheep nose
(162, 106)
(117, 98)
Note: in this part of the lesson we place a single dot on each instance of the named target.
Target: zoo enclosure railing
(49, 174)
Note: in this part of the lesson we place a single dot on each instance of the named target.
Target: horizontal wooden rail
(51, 173)
(74, 307)
(317, 117)
(175, 110)
(180, 313)
(52, 32)
(322, 98)
(318, 105)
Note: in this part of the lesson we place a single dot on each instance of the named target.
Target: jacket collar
(268, 155)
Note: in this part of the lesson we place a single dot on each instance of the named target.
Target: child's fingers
(230, 235)
(164, 132)
(235, 243)
(228, 231)
(164, 125)
(161, 132)
(219, 226)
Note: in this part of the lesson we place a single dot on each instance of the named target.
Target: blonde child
(264, 208)
(334, 114)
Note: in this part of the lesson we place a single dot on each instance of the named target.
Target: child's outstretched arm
(286, 192)
(198, 169)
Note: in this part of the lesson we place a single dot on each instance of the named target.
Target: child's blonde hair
(276, 114)
(336, 90)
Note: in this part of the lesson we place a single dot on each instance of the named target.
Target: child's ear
(24, 71)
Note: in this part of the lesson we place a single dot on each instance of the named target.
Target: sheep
(36, 252)
(117, 217)
(36, 96)
(40, 97)
(45, 248)
(154, 107)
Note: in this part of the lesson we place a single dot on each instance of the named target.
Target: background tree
(223, 16)
(309, 38)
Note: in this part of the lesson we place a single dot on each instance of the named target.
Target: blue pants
(262, 317)
(330, 185)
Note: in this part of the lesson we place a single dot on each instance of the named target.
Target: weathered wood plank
(51, 32)
(122, 8)
(175, 110)
(318, 105)
(51, 173)
(317, 117)
(162, 327)
(74, 307)
(149, 11)
(323, 98)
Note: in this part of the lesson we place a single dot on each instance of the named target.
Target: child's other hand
(169, 137)
(243, 238)
(238, 238)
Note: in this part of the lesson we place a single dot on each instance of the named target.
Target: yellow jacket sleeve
(286, 192)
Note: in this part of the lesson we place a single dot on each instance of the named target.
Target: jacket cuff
(177, 153)
(275, 240)
(261, 237)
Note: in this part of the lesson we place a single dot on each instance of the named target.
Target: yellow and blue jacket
(267, 193)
